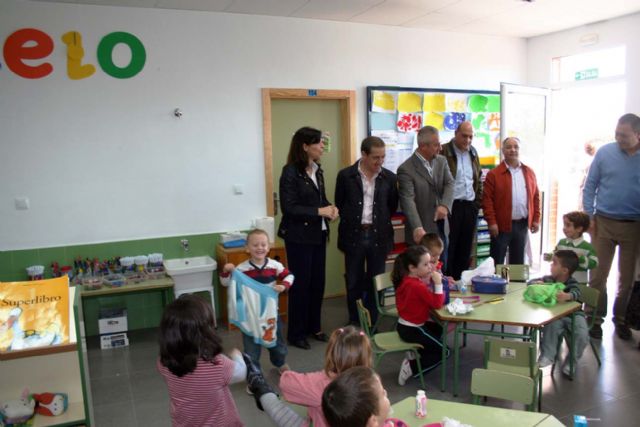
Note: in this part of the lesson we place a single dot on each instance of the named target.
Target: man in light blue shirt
(611, 196)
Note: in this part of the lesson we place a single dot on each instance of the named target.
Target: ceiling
(515, 18)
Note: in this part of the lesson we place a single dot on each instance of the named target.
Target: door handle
(275, 203)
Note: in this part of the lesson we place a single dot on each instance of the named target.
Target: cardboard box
(112, 320)
(114, 340)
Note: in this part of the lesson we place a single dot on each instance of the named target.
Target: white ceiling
(516, 18)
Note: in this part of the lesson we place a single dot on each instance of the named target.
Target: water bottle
(421, 404)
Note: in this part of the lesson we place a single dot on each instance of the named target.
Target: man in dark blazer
(425, 188)
(366, 196)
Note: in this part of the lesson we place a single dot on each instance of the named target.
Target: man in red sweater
(511, 204)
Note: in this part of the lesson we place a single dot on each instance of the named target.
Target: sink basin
(190, 273)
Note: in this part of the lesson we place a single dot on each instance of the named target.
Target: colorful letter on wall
(75, 53)
(105, 51)
(19, 46)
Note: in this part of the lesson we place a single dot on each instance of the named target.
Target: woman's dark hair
(351, 399)
(401, 265)
(187, 335)
(297, 155)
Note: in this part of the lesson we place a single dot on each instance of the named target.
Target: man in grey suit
(425, 188)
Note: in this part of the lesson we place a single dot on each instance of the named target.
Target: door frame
(347, 100)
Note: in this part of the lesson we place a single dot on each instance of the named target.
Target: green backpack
(543, 294)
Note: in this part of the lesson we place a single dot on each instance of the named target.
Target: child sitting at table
(414, 301)
(563, 264)
(435, 247)
(356, 398)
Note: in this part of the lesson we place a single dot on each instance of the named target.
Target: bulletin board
(395, 114)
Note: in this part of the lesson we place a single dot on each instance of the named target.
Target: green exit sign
(591, 73)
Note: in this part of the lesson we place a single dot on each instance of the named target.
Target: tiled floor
(127, 390)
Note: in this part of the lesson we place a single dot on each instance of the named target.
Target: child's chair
(517, 272)
(386, 342)
(502, 385)
(383, 291)
(589, 297)
(515, 357)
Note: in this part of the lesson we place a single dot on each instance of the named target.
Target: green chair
(502, 385)
(383, 291)
(517, 272)
(589, 297)
(515, 357)
(386, 342)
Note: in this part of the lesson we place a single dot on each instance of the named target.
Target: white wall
(103, 159)
(612, 33)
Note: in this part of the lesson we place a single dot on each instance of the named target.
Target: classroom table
(475, 415)
(512, 310)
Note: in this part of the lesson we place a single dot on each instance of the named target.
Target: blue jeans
(277, 354)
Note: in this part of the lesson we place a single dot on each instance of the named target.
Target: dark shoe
(303, 344)
(596, 332)
(623, 332)
(256, 383)
(321, 336)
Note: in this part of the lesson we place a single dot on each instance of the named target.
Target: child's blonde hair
(348, 347)
(432, 242)
(257, 232)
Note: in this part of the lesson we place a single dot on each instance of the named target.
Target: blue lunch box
(489, 285)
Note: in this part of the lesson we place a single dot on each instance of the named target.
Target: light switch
(22, 203)
(238, 189)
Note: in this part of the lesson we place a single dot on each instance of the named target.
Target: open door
(525, 113)
(332, 111)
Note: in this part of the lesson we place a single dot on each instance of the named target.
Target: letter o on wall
(105, 51)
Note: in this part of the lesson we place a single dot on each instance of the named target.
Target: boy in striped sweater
(268, 272)
(575, 224)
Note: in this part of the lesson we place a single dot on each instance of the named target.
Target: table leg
(443, 368)
(456, 356)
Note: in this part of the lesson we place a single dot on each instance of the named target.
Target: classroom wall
(104, 159)
(612, 33)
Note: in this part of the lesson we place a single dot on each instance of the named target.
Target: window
(590, 65)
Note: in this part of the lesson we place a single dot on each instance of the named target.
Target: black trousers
(462, 229)
(429, 335)
(514, 240)
(362, 262)
(307, 263)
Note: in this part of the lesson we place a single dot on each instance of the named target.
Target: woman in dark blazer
(306, 213)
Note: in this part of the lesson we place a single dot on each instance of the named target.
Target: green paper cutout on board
(105, 51)
(479, 122)
(493, 105)
(478, 103)
(484, 137)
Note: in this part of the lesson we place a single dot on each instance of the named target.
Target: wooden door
(330, 112)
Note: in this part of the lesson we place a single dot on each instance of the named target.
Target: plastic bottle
(421, 404)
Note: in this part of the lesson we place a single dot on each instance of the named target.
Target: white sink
(191, 273)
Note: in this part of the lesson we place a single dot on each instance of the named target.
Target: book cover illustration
(34, 314)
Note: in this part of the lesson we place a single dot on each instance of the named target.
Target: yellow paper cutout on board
(456, 102)
(75, 53)
(434, 102)
(409, 102)
(384, 101)
(434, 119)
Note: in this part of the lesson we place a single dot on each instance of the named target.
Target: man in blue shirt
(611, 197)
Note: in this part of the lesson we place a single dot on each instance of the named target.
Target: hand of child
(493, 230)
(563, 296)
(228, 268)
(436, 277)
(235, 353)
(279, 288)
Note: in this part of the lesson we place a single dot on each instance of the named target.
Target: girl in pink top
(347, 347)
(195, 370)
